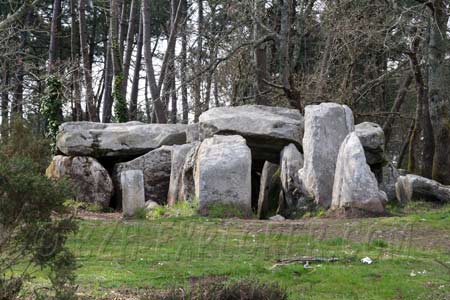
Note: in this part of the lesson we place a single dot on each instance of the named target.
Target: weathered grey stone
(91, 181)
(267, 183)
(290, 163)
(132, 189)
(390, 176)
(187, 184)
(277, 218)
(412, 187)
(155, 166)
(192, 133)
(326, 126)
(371, 136)
(179, 154)
(266, 129)
(355, 186)
(223, 173)
(102, 140)
(151, 205)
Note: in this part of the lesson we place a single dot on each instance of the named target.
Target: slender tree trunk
(159, 108)
(117, 91)
(77, 114)
(172, 72)
(197, 93)
(134, 11)
(285, 6)
(438, 75)
(260, 57)
(423, 131)
(90, 101)
(398, 102)
(107, 93)
(136, 75)
(183, 65)
(52, 51)
(4, 102)
(216, 91)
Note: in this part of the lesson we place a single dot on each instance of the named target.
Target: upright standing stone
(90, 179)
(326, 126)
(223, 173)
(155, 166)
(355, 186)
(179, 154)
(187, 183)
(133, 194)
(290, 163)
(265, 203)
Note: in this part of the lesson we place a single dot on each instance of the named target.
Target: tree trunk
(159, 108)
(120, 105)
(134, 11)
(5, 103)
(422, 143)
(77, 113)
(439, 100)
(90, 101)
(107, 93)
(136, 75)
(183, 65)
(260, 57)
(52, 51)
(398, 102)
(197, 94)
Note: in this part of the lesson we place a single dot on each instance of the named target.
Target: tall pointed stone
(326, 126)
(355, 186)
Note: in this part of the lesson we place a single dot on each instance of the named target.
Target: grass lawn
(411, 254)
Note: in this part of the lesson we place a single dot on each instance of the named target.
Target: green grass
(164, 253)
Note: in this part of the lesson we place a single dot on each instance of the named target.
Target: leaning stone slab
(355, 186)
(133, 196)
(390, 177)
(155, 166)
(326, 126)
(411, 187)
(179, 154)
(187, 182)
(101, 140)
(267, 186)
(223, 174)
(91, 181)
(266, 129)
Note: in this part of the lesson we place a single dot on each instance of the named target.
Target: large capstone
(326, 126)
(179, 154)
(91, 181)
(266, 129)
(132, 191)
(223, 174)
(117, 140)
(411, 187)
(355, 186)
(156, 167)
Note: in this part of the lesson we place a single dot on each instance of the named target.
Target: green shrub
(180, 209)
(34, 224)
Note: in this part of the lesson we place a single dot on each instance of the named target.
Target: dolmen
(254, 159)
